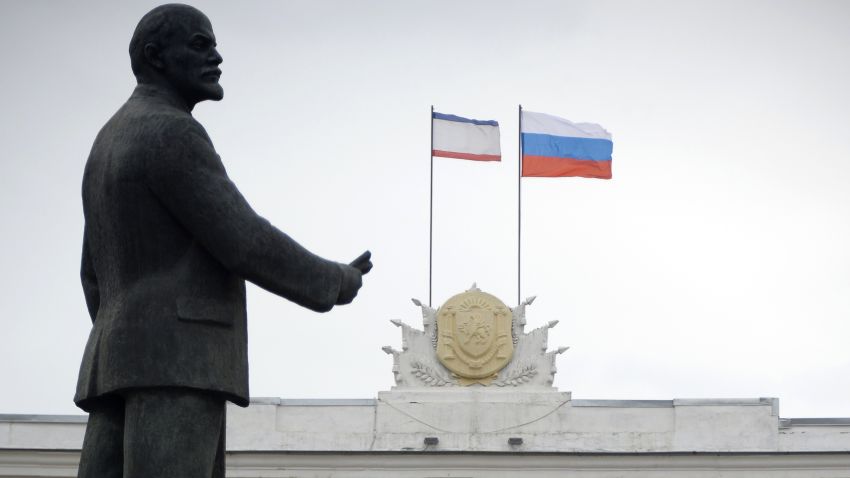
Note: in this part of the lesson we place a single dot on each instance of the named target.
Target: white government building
(474, 399)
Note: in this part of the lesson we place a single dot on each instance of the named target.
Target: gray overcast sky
(714, 264)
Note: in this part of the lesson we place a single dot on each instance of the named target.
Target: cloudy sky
(716, 263)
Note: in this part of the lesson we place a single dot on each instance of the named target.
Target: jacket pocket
(209, 311)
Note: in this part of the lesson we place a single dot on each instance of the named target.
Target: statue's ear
(152, 56)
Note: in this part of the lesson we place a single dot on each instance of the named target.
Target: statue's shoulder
(155, 121)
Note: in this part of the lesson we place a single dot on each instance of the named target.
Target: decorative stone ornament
(474, 339)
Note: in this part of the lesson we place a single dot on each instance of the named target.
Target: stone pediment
(473, 339)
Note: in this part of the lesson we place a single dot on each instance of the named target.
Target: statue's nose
(216, 57)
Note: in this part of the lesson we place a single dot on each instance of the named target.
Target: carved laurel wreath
(518, 377)
(429, 376)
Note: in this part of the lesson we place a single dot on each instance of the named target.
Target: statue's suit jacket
(168, 243)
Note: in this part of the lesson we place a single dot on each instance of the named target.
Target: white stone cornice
(533, 465)
(61, 463)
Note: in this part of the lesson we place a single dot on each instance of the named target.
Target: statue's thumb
(363, 263)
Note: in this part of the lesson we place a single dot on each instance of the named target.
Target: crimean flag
(464, 138)
(555, 147)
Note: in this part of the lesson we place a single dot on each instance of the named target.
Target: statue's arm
(190, 180)
(89, 279)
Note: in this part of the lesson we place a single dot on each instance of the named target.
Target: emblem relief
(474, 339)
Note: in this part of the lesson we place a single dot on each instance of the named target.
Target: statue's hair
(158, 26)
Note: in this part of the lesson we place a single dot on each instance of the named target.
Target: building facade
(474, 433)
(474, 399)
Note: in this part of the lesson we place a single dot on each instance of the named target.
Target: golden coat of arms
(474, 336)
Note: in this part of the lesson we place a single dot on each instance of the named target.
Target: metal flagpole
(431, 213)
(519, 212)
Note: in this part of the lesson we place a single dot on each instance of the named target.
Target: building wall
(385, 437)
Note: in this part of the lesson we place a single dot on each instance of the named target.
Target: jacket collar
(161, 95)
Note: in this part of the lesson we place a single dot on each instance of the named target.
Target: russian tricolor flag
(555, 147)
(464, 138)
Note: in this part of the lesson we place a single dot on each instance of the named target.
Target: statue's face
(191, 61)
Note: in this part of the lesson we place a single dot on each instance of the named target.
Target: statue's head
(174, 46)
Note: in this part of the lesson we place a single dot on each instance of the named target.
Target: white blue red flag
(464, 138)
(555, 147)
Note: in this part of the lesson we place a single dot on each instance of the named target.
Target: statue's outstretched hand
(352, 278)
